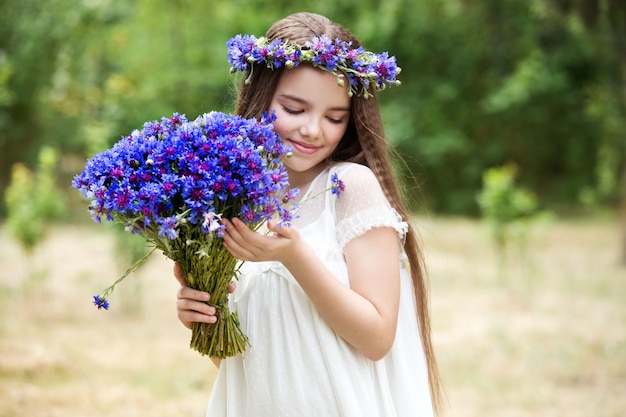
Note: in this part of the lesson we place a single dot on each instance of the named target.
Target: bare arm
(365, 314)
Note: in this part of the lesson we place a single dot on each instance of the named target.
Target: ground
(540, 333)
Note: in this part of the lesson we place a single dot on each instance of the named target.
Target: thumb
(179, 274)
(281, 229)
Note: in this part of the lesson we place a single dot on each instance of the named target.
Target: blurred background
(511, 123)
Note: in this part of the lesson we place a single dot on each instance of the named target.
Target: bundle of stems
(209, 267)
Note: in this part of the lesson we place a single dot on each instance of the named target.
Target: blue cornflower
(337, 185)
(168, 228)
(238, 49)
(326, 53)
(385, 68)
(100, 302)
(291, 195)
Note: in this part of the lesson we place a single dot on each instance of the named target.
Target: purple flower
(100, 302)
(337, 185)
(326, 53)
(168, 228)
(211, 223)
(238, 48)
(363, 69)
(176, 169)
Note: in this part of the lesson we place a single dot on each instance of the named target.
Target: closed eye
(335, 121)
(291, 111)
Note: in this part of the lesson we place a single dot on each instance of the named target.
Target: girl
(335, 306)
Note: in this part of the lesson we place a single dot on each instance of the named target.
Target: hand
(191, 305)
(247, 245)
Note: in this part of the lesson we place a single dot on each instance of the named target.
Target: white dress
(297, 365)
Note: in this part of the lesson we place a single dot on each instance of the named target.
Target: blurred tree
(507, 207)
(497, 81)
(31, 37)
(33, 200)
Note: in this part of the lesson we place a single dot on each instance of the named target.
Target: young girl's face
(312, 114)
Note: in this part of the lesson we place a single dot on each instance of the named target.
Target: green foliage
(494, 81)
(507, 207)
(537, 82)
(33, 199)
(31, 43)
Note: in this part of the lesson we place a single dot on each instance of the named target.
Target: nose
(311, 128)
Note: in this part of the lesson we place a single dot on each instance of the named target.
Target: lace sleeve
(363, 206)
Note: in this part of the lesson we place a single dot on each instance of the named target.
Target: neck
(302, 179)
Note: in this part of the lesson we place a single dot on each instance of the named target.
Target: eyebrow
(303, 101)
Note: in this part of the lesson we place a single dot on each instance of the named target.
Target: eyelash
(292, 111)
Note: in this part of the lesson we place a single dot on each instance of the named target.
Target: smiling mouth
(303, 148)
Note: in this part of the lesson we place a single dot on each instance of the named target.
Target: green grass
(544, 336)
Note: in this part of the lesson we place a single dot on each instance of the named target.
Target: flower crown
(363, 68)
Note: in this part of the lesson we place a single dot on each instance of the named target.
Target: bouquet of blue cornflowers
(173, 181)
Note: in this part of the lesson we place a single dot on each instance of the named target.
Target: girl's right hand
(191, 305)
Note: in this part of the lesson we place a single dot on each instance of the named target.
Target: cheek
(281, 126)
(336, 132)
(280, 129)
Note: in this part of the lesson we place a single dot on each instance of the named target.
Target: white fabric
(297, 365)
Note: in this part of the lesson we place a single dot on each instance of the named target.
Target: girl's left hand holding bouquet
(193, 304)
(172, 183)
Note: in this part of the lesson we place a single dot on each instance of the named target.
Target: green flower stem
(209, 267)
(133, 268)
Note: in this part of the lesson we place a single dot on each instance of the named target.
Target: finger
(188, 317)
(231, 234)
(236, 250)
(190, 311)
(188, 293)
(185, 305)
(252, 236)
(230, 226)
(231, 245)
(179, 274)
(236, 243)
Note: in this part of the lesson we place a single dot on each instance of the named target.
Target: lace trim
(370, 218)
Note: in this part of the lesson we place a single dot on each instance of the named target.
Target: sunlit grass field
(543, 334)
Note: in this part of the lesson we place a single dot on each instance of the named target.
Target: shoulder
(362, 205)
(344, 167)
(355, 176)
(361, 188)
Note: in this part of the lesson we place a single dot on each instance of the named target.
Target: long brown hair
(364, 142)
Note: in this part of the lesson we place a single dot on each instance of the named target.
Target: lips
(303, 147)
